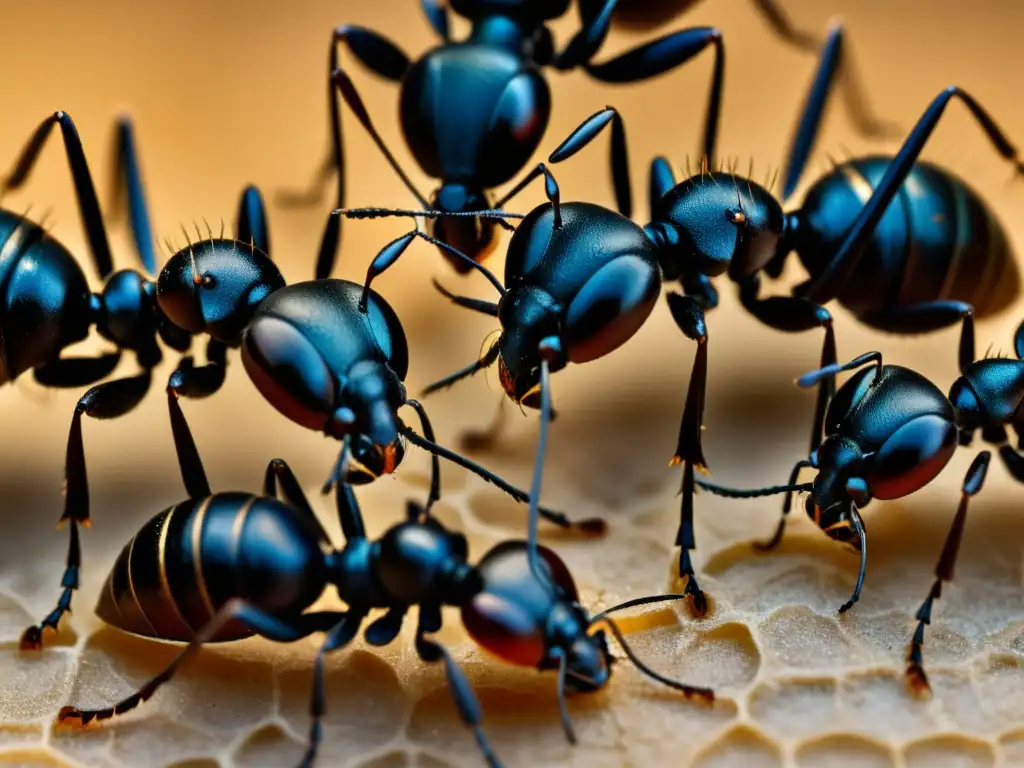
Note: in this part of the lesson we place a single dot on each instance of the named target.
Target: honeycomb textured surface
(229, 93)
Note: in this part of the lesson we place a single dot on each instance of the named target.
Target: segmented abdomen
(175, 573)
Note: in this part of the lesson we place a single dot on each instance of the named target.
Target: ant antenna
(811, 379)
(563, 707)
(733, 493)
(690, 691)
(344, 84)
(547, 350)
(494, 214)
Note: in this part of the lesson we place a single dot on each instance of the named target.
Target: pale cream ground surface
(230, 92)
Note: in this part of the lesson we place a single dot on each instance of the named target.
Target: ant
(473, 112)
(888, 432)
(586, 278)
(310, 353)
(179, 579)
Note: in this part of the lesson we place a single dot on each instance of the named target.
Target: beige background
(225, 93)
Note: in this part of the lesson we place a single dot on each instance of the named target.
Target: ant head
(471, 235)
(525, 621)
(528, 317)
(534, 11)
(716, 223)
(214, 286)
(835, 521)
(294, 375)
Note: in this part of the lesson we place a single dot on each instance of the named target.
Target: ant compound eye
(912, 456)
(289, 371)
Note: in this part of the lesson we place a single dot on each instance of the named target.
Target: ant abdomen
(191, 559)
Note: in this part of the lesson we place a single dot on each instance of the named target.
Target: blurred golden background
(230, 92)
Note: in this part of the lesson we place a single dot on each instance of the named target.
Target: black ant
(888, 432)
(584, 279)
(179, 578)
(473, 112)
(307, 348)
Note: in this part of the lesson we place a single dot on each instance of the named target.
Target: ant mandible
(178, 579)
(888, 432)
(306, 347)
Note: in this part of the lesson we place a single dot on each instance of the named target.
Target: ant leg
(489, 308)
(832, 63)
(349, 515)
(484, 439)
(828, 284)
(916, 677)
(486, 361)
(278, 472)
(104, 401)
(462, 692)
(585, 133)
(701, 288)
(437, 15)
(550, 189)
(435, 463)
(189, 381)
(391, 252)
(589, 526)
(251, 226)
(783, 28)
(689, 317)
(383, 58)
(793, 314)
(787, 507)
(664, 54)
(75, 372)
(260, 622)
(660, 181)
(340, 636)
(128, 187)
(932, 316)
(85, 190)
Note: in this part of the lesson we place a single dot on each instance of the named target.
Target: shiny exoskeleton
(888, 432)
(230, 565)
(474, 111)
(582, 279)
(328, 354)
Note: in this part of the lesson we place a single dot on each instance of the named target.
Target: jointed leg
(667, 53)
(550, 189)
(660, 180)
(436, 12)
(827, 285)
(278, 472)
(128, 187)
(76, 372)
(916, 677)
(787, 507)
(85, 190)
(251, 226)
(340, 636)
(619, 160)
(462, 692)
(261, 623)
(104, 401)
(435, 462)
(933, 316)
(489, 358)
(380, 56)
(689, 452)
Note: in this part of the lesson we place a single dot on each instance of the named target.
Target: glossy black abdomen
(937, 241)
(473, 113)
(44, 297)
(189, 560)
